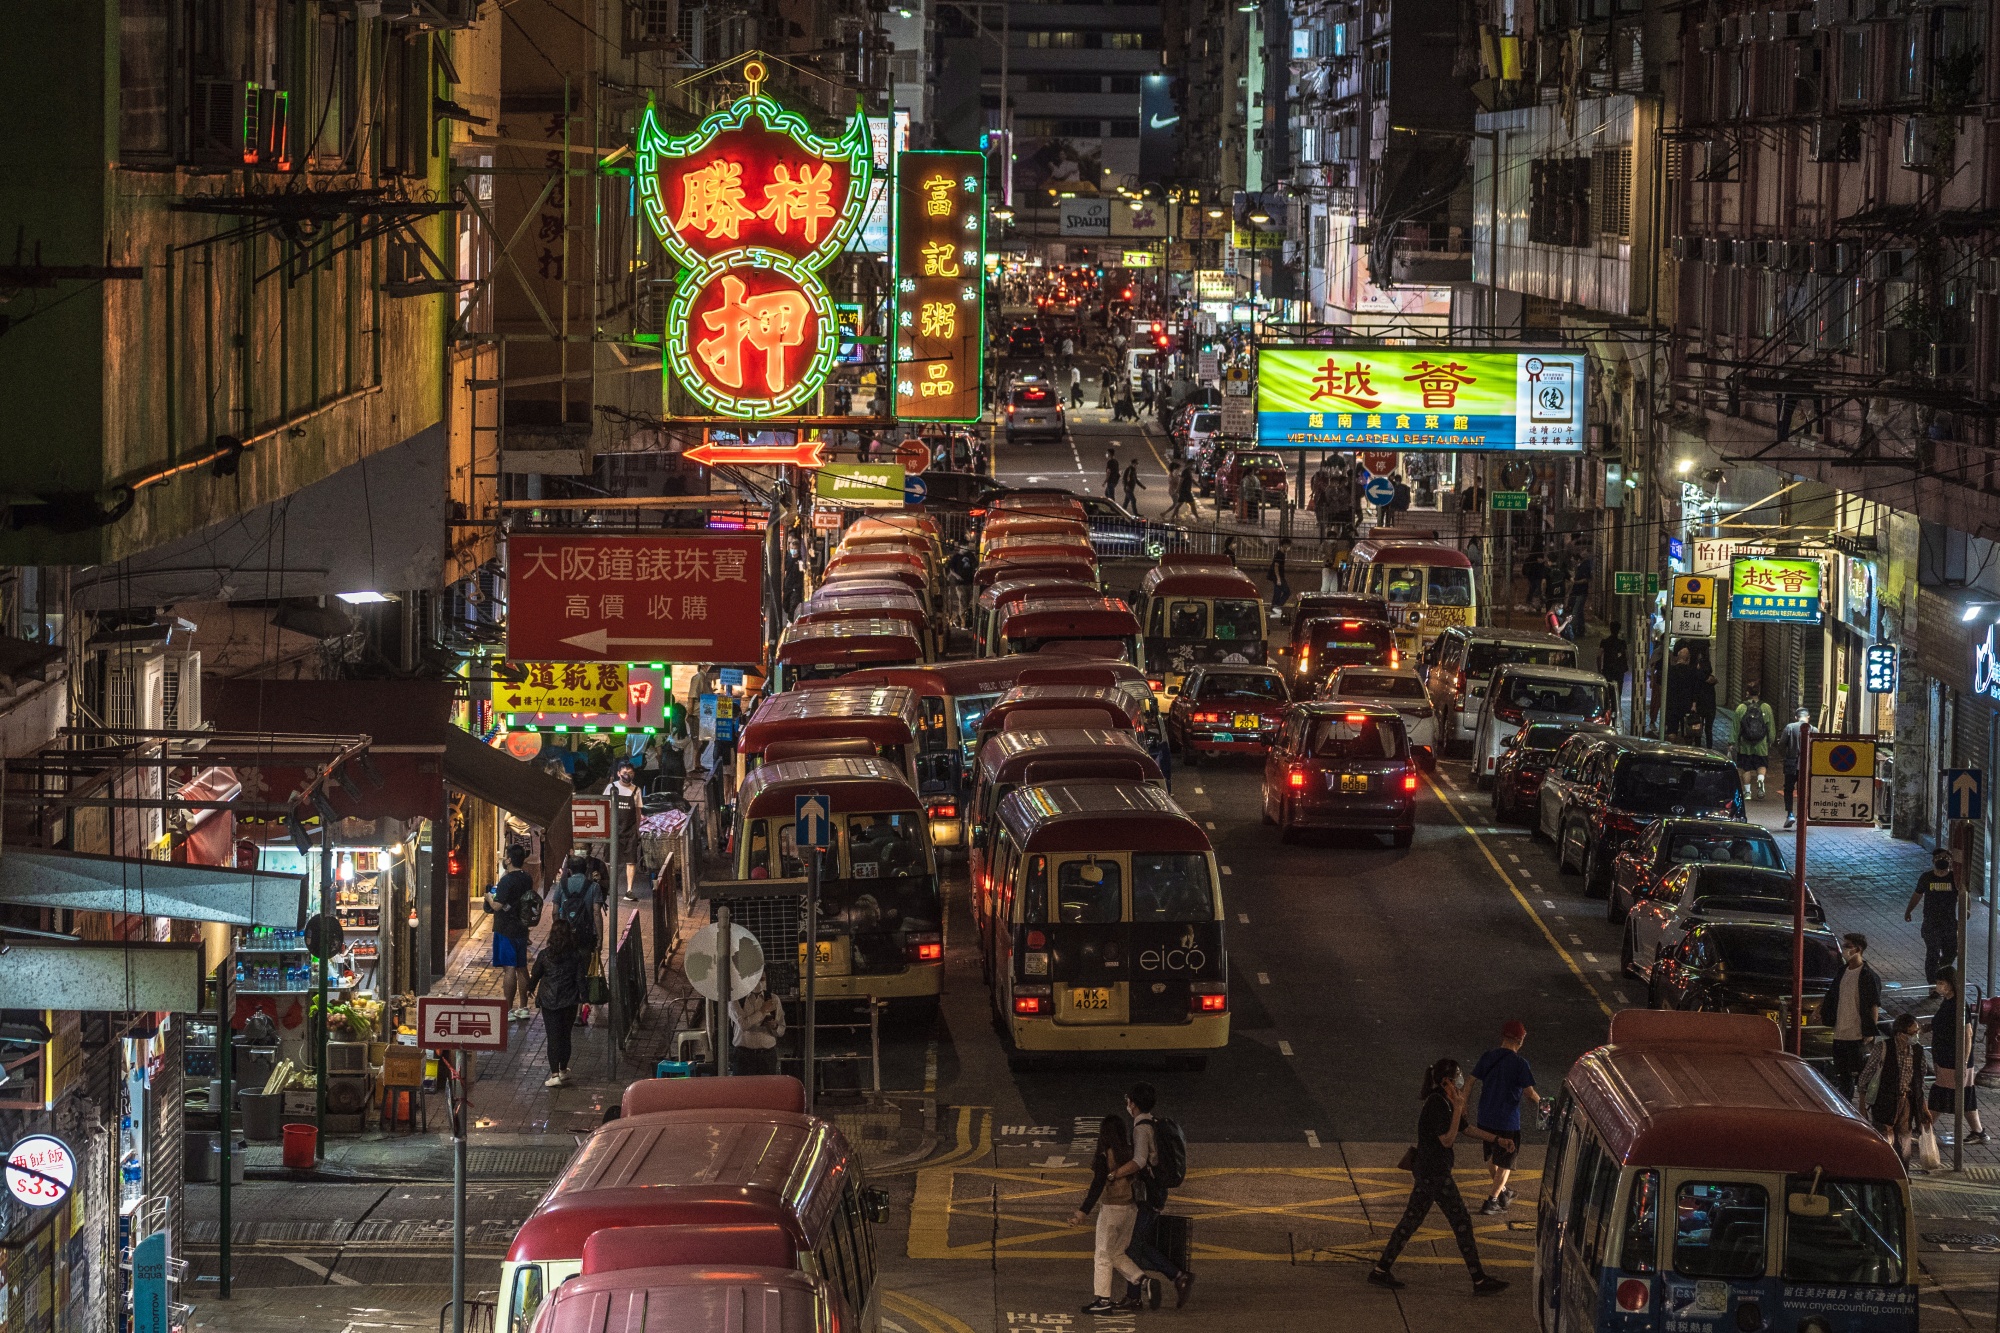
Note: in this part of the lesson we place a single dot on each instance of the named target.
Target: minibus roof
(885, 714)
(1200, 581)
(744, 1092)
(1076, 568)
(1100, 817)
(713, 1166)
(739, 1297)
(849, 786)
(1007, 754)
(1111, 700)
(875, 606)
(1068, 618)
(915, 525)
(1084, 671)
(1004, 591)
(1718, 1092)
(862, 642)
(983, 675)
(758, 1244)
(1410, 553)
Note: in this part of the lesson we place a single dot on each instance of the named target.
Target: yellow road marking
(1526, 906)
(975, 1140)
(922, 1313)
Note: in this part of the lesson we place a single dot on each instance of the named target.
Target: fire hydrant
(1989, 1014)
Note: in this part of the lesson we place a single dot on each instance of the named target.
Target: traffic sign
(1691, 622)
(1840, 780)
(1380, 490)
(914, 490)
(1964, 792)
(1505, 500)
(462, 1022)
(1380, 461)
(590, 818)
(1628, 583)
(812, 816)
(702, 965)
(914, 455)
(1696, 590)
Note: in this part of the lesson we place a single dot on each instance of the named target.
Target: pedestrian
(1897, 1069)
(1937, 890)
(963, 570)
(1614, 658)
(575, 901)
(1791, 749)
(1253, 497)
(1281, 587)
(1104, 388)
(1113, 1178)
(1678, 692)
(1133, 485)
(1125, 411)
(1075, 385)
(1704, 698)
(1400, 504)
(557, 980)
(1155, 1172)
(507, 902)
(1534, 568)
(1755, 725)
(1438, 1126)
(1110, 475)
(1229, 549)
(757, 1020)
(1504, 1079)
(631, 802)
(1951, 1057)
(1852, 1007)
(1184, 495)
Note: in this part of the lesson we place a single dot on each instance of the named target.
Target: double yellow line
(974, 1140)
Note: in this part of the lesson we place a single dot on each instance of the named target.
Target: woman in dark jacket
(1438, 1127)
(1112, 1173)
(1898, 1068)
(557, 980)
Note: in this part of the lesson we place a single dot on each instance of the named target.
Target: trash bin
(301, 1147)
(202, 1158)
(263, 1115)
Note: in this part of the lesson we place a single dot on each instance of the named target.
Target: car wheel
(1627, 963)
(1404, 836)
(1190, 756)
(1535, 829)
(1483, 781)
(1286, 833)
(1654, 998)
(1596, 883)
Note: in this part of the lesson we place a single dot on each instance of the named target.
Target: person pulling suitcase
(1160, 1149)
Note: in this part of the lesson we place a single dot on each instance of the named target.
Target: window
(1121, 129)
(1611, 192)
(1719, 1230)
(1559, 201)
(145, 56)
(1570, 698)
(1702, 845)
(1089, 892)
(1859, 1242)
(527, 1294)
(1655, 786)
(1579, 1189)
(1035, 893)
(1122, 83)
(1242, 685)
(1450, 587)
(1128, 41)
(1064, 40)
(1639, 1249)
(1171, 887)
(1239, 619)
(1597, 1213)
(972, 708)
(1337, 739)
(1404, 584)
(1906, 74)
(330, 110)
(1187, 620)
(884, 846)
(1853, 87)
(1064, 83)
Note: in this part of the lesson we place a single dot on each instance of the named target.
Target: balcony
(1430, 254)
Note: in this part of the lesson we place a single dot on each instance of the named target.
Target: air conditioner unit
(135, 691)
(273, 143)
(222, 120)
(1718, 161)
(1835, 139)
(1986, 275)
(1888, 265)
(1896, 351)
(180, 695)
(1685, 247)
(1846, 254)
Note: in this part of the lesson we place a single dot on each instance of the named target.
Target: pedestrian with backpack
(1160, 1149)
(1114, 1183)
(516, 909)
(1755, 725)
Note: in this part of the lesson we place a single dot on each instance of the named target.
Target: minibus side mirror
(1808, 1205)
(875, 1205)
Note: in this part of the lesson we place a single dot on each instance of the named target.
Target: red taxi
(1227, 709)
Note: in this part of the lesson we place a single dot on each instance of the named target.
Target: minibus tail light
(928, 948)
(945, 810)
(1208, 997)
(1032, 1000)
(1635, 1296)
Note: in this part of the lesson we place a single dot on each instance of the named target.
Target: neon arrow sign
(806, 454)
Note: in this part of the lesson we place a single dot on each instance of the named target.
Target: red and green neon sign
(754, 204)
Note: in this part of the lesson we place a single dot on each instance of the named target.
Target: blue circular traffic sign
(1381, 490)
(1841, 758)
(914, 490)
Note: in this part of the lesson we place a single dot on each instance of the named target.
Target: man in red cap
(1504, 1078)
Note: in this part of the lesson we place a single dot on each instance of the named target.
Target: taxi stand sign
(1840, 780)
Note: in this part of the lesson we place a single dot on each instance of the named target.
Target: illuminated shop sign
(940, 312)
(1420, 398)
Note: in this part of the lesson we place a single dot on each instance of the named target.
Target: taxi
(1225, 709)
(1337, 766)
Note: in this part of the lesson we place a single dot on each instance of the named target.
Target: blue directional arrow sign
(812, 817)
(914, 490)
(1380, 490)
(1963, 792)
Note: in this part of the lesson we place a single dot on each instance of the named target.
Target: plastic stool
(691, 1037)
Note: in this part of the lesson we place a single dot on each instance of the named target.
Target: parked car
(1670, 843)
(1227, 709)
(1458, 661)
(1602, 791)
(1035, 410)
(1525, 760)
(1692, 894)
(1339, 767)
(1742, 967)
(1517, 694)
(1238, 465)
(1389, 687)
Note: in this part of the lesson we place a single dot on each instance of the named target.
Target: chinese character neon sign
(940, 322)
(754, 204)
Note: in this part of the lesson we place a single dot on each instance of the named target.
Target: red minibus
(1006, 592)
(739, 1296)
(1199, 610)
(1091, 626)
(884, 717)
(1112, 707)
(1074, 568)
(828, 649)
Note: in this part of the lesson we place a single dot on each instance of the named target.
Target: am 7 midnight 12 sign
(580, 598)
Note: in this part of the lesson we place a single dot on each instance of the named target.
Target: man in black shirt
(1791, 753)
(510, 934)
(1937, 890)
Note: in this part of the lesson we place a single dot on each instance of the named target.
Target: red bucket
(301, 1147)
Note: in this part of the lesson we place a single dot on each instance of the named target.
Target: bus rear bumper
(913, 982)
(1203, 1032)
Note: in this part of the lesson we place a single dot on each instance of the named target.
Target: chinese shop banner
(940, 312)
(1779, 590)
(579, 694)
(574, 598)
(754, 205)
(1420, 398)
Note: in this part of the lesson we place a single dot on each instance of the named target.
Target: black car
(1517, 777)
(1675, 842)
(1601, 794)
(1742, 967)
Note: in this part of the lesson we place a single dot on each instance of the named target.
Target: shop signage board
(462, 1022)
(1420, 398)
(1083, 217)
(152, 1310)
(1986, 664)
(41, 1171)
(1141, 259)
(1516, 501)
(609, 695)
(1213, 284)
(590, 818)
(862, 485)
(1208, 367)
(1239, 419)
(1780, 590)
(1713, 555)
(753, 205)
(940, 306)
(574, 597)
(1840, 780)
(1882, 668)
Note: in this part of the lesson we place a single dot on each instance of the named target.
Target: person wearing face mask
(1852, 1007)
(1439, 1124)
(1937, 890)
(1951, 1055)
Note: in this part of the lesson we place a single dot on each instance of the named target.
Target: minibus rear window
(1089, 892)
(1640, 1252)
(1171, 886)
(1858, 1243)
(1238, 619)
(884, 846)
(1719, 1229)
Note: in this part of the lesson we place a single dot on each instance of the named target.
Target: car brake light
(1409, 782)
(945, 810)
(1508, 714)
(1395, 658)
(1356, 719)
(1208, 717)
(1297, 777)
(923, 951)
(1027, 1004)
(1350, 624)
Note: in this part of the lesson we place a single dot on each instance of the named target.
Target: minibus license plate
(1090, 997)
(1247, 722)
(1353, 782)
(825, 953)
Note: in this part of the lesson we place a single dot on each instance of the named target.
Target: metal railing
(628, 979)
(480, 1316)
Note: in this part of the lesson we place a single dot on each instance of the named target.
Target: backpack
(1169, 1153)
(1753, 728)
(528, 909)
(572, 903)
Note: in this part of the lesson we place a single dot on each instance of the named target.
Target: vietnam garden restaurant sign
(753, 205)
(1776, 590)
(1420, 398)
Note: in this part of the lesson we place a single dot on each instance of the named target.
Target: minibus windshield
(1858, 1243)
(1450, 586)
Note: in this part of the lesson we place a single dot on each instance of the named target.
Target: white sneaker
(553, 1081)
(524, 1013)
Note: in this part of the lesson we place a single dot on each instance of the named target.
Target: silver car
(1034, 410)
(1460, 659)
(1517, 695)
(1706, 891)
(1399, 688)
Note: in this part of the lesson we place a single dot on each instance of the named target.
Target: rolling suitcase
(1174, 1237)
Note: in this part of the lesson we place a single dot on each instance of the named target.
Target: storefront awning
(500, 779)
(120, 978)
(81, 883)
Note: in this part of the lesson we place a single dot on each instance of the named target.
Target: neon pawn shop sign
(753, 205)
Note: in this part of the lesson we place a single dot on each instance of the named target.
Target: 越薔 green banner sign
(1783, 590)
(1424, 398)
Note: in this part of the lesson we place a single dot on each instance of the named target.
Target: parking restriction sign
(1694, 590)
(1840, 780)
